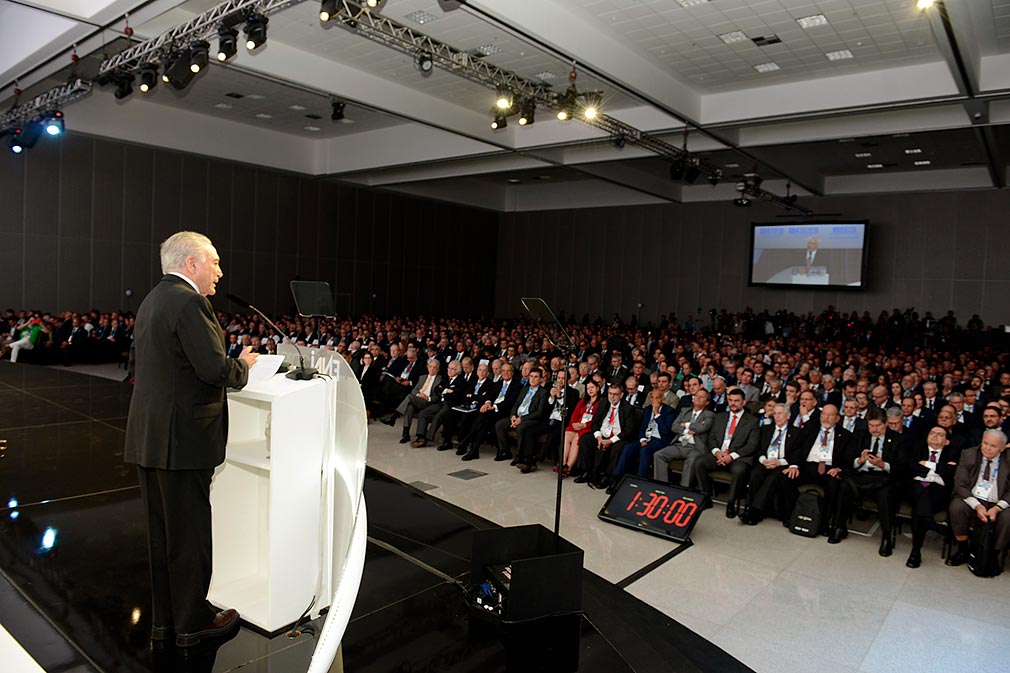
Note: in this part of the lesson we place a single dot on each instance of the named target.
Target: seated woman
(582, 418)
(368, 376)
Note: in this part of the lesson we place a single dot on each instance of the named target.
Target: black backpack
(806, 517)
(983, 560)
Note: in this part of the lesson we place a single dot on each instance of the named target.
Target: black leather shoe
(515, 462)
(731, 510)
(162, 633)
(471, 455)
(461, 450)
(885, 546)
(612, 488)
(224, 622)
(404, 439)
(582, 478)
(914, 560)
(958, 558)
(391, 421)
(444, 447)
(499, 457)
(837, 535)
(530, 467)
(750, 518)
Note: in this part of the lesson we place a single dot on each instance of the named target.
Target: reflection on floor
(74, 590)
(775, 601)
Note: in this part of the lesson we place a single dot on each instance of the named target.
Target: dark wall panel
(108, 201)
(76, 187)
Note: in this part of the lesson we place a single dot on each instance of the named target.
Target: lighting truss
(750, 186)
(53, 99)
(202, 27)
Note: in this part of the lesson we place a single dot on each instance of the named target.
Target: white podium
(286, 499)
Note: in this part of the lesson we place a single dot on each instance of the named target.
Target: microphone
(302, 373)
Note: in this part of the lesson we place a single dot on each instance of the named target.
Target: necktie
(988, 465)
(932, 456)
(876, 446)
(810, 258)
(801, 421)
(613, 410)
(908, 422)
(732, 424)
(776, 440)
(821, 465)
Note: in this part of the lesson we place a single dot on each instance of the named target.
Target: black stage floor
(77, 598)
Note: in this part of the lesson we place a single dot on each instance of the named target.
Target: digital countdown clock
(653, 507)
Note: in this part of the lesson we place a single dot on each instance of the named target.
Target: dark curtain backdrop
(935, 251)
(83, 217)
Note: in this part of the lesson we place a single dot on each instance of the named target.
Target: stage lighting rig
(227, 43)
(54, 123)
(590, 103)
(255, 31)
(500, 121)
(423, 62)
(17, 147)
(527, 112)
(327, 9)
(750, 187)
(148, 76)
(44, 107)
(124, 85)
(338, 110)
(503, 98)
(199, 55)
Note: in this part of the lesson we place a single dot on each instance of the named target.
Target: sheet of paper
(266, 366)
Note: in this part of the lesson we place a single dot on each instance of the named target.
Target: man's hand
(994, 512)
(982, 514)
(515, 421)
(876, 461)
(769, 463)
(835, 472)
(422, 396)
(248, 356)
(864, 456)
(791, 472)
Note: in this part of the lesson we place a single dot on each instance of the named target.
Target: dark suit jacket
(968, 468)
(510, 395)
(797, 443)
(179, 411)
(834, 397)
(858, 427)
(459, 388)
(395, 366)
(891, 453)
(479, 397)
(842, 444)
(625, 416)
(664, 423)
(745, 437)
(540, 407)
(949, 454)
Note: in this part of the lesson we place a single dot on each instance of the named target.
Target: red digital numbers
(682, 512)
(674, 513)
(634, 501)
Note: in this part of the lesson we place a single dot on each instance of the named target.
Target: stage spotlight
(198, 55)
(16, 146)
(677, 170)
(179, 74)
(30, 133)
(742, 202)
(227, 43)
(423, 62)
(618, 141)
(124, 85)
(564, 114)
(148, 76)
(691, 173)
(924, 4)
(591, 106)
(168, 63)
(527, 113)
(374, 4)
(327, 9)
(54, 123)
(714, 178)
(255, 31)
(503, 99)
(338, 110)
(500, 122)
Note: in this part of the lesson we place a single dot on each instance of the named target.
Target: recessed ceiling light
(812, 21)
(839, 55)
(735, 36)
(913, 150)
(923, 162)
(263, 115)
(545, 75)
(489, 49)
(223, 106)
(311, 128)
(862, 155)
(874, 165)
(691, 3)
(771, 66)
(297, 107)
(255, 96)
(732, 165)
(420, 16)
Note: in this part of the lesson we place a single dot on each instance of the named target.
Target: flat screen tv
(809, 254)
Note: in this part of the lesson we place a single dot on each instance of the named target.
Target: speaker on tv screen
(810, 254)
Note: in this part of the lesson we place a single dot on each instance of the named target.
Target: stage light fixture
(591, 106)
(29, 134)
(227, 43)
(742, 202)
(168, 63)
(255, 31)
(54, 123)
(423, 62)
(500, 122)
(179, 74)
(124, 85)
(338, 110)
(327, 9)
(677, 170)
(148, 76)
(198, 55)
(924, 4)
(565, 114)
(691, 173)
(374, 4)
(16, 146)
(618, 141)
(527, 112)
(503, 99)
(714, 178)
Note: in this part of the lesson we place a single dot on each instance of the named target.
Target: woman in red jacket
(582, 418)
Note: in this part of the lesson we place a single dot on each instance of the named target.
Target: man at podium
(177, 431)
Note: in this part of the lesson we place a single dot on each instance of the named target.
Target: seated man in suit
(751, 392)
(528, 418)
(829, 394)
(395, 387)
(430, 418)
(496, 406)
(931, 464)
(914, 426)
(426, 392)
(459, 415)
(654, 433)
(733, 445)
(690, 440)
(875, 458)
(823, 465)
(613, 426)
(634, 396)
(981, 494)
(783, 447)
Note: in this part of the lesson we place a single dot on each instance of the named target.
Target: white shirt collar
(188, 280)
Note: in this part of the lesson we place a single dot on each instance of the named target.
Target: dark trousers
(738, 470)
(528, 435)
(599, 462)
(857, 487)
(429, 420)
(765, 492)
(810, 475)
(481, 427)
(927, 499)
(962, 518)
(455, 423)
(179, 542)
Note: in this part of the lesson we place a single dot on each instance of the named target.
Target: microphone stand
(301, 373)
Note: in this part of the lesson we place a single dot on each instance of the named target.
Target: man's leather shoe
(404, 439)
(520, 466)
(419, 443)
(223, 623)
(750, 518)
(162, 633)
(526, 469)
(612, 488)
(462, 450)
(885, 546)
(582, 478)
(837, 535)
(958, 558)
(390, 421)
(444, 447)
(515, 462)
(914, 560)
(499, 457)
(731, 510)
(471, 455)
